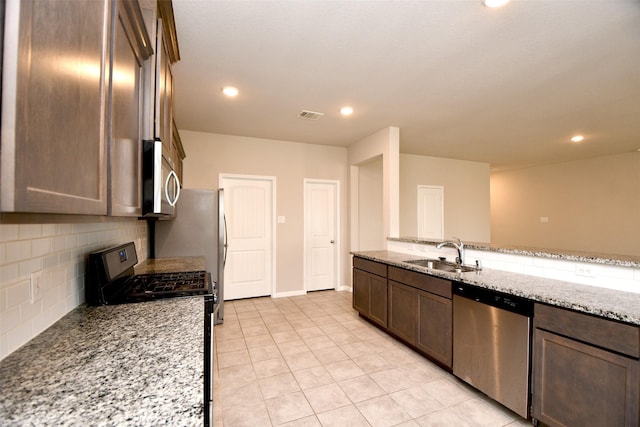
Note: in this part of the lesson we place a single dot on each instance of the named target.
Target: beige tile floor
(311, 361)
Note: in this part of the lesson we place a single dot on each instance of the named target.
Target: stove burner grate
(168, 282)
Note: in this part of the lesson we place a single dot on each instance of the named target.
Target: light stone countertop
(566, 255)
(124, 365)
(170, 265)
(611, 304)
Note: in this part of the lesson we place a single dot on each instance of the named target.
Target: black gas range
(111, 279)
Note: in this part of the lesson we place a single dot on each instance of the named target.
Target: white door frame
(338, 244)
(272, 180)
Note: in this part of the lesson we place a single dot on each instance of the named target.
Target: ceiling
(505, 86)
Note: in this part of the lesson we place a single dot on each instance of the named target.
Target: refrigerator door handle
(226, 245)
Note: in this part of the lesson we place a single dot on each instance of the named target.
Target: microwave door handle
(167, 183)
(176, 192)
(177, 183)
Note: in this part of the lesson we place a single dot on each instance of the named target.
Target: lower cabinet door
(403, 305)
(361, 291)
(575, 384)
(378, 299)
(370, 296)
(435, 327)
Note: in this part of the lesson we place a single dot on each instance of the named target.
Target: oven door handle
(209, 353)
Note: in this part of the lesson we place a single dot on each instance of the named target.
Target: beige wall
(370, 204)
(208, 155)
(466, 195)
(386, 144)
(592, 205)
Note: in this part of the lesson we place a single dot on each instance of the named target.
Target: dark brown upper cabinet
(54, 107)
(78, 89)
(131, 47)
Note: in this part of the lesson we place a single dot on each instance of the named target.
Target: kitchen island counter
(132, 364)
(557, 254)
(608, 303)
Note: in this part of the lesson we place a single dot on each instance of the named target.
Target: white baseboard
(303, 292)
(289, 294)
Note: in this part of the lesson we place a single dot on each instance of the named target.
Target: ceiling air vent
(310, 115)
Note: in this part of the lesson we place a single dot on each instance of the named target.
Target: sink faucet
(459, 247)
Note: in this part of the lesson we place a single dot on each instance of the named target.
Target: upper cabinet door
(167, 53)
(178, 151)
(54, 118)
(131, 47)
(164, 88)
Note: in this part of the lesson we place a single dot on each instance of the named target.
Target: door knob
(332, 242)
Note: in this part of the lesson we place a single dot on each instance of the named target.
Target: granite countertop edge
(607, 303)
(558, 254)
(121, 365)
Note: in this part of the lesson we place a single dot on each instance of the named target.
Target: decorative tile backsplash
(55, 255)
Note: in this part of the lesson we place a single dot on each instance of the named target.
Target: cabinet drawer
(421, 281)
(615, 336)
(370, 266)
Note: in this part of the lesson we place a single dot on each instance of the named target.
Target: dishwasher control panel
(495, 299)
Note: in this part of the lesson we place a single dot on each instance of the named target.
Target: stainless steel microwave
(160, 183)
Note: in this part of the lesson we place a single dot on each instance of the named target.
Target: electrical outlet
(35, 287)
(585, 271)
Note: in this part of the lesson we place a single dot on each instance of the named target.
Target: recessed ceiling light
(346, 111)
(494, 3)
(230, 91)
(577, 138)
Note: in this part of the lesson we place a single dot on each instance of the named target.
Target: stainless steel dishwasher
(492, 344)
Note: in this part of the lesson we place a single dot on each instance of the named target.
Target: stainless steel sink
(436, 264)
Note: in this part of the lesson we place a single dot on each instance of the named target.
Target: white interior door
(430, 212)
(249, 212)
(321, 231)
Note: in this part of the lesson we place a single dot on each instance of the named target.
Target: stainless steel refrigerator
(199, 229)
